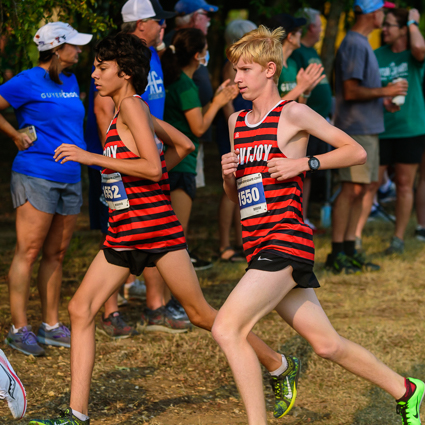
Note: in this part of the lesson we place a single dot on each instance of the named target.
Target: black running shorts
(271, 261)
(134, 259)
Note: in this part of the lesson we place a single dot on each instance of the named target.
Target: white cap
(56, 33)
(134, 10)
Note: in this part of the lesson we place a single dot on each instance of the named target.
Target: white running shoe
(11, 388)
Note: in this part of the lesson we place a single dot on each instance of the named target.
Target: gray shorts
(45, 195)
(368, 172)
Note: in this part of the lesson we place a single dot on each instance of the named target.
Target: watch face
(314, 163)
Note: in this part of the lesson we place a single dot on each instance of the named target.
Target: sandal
(236, 257)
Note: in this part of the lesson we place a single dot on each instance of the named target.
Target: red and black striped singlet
(281, 228)
(149, 224)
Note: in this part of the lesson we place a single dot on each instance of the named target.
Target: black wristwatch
(313, 163)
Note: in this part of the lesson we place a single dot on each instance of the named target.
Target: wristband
(412, 21)
(306, 96)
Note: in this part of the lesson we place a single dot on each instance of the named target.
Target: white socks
(79, 415)
(282, 368)
(50, 328)
(129, 285)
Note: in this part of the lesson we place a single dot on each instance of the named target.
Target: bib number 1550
(248, 196)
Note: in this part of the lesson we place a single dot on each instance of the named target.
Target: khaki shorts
(367, 172)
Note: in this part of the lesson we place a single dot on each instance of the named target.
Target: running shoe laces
(28, 337)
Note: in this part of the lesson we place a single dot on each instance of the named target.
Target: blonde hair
(260, 46)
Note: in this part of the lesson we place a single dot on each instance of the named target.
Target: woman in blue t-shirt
(46, 195)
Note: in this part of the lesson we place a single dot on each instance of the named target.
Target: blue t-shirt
(56, 112)
(154, 94)
(91, 134)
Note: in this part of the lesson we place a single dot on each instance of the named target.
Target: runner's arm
(104, 110)
(305, 121)
(136, 116)
(178, 145)
(229, 164)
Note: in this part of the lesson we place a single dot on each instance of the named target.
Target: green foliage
(20, 19)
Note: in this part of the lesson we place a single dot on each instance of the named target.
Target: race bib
(252, 200)
(114, 191)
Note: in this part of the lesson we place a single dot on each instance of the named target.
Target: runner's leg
(177, 271)
(302, 310)
(257, 293)
(100, 282)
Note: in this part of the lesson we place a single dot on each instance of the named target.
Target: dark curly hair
(187, 42)
(132, 57)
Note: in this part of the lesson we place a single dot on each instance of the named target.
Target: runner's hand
(285, 168)
(67, 152)
(229, 164)
(22, 141)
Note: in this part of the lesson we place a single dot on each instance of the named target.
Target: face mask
(205, 59)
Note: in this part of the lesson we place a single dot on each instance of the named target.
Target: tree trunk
(328, 46)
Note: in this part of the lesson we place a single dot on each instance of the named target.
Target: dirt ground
(163, 379)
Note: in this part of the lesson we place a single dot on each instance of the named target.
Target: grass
(162, 379)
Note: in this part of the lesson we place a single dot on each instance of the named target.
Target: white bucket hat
(54, 34)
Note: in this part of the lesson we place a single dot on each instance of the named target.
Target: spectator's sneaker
(161, 320)
(199, 264)
(285, 387)
(59, 337)
(137, 291)
(409, 410)
(11, 388)
(379, 213)
(115, 327)
(359, 260)
(176, 310)
(121, 301)
(24, 341)
(65, 417)
(341, 263)
(387, 194)
(396, 246)
(420, 233)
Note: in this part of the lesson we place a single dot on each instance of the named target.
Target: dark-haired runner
(264, 173)
(143, 228)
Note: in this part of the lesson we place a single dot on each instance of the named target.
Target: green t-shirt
(181, 96)
(320, 99)
(409, 120)
(288, 77)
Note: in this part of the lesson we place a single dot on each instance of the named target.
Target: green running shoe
(65, 417)
(409, 411)
(285, 387)
(359, 260)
